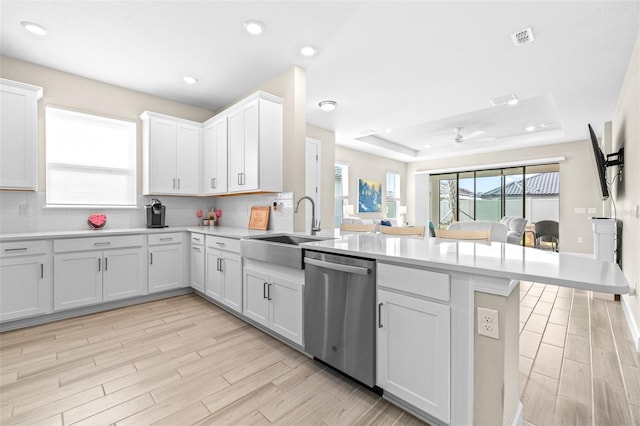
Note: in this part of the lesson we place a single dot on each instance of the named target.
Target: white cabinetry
(97, 269)
(414, 337)
(19, 135)
(274, 298)
(224, 271)
(215, 155)
(166, 261)
(197, 262)
(255, 144)
(26, 284)
(171, 151)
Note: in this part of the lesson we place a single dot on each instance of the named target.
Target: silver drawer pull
(166, 239)
(197, 249)
(220, 243)
(379, 315)
(105, 243)
(16, 249)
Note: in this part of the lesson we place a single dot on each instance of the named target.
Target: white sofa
(359, 221)
(498, 230)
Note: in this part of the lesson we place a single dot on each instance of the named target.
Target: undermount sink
(280, 249)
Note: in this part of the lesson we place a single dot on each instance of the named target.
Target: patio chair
(547, 235)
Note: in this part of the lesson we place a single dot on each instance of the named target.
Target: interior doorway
(312, 179)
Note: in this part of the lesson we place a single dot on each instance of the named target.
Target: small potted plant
(97, 220)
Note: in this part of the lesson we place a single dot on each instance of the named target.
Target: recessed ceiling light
(253, 27)
(308, 50)
(504, 100)
(427, 145)
(545, 125)
(530, 128)
(34, 28)
(189, 79)
(387, 130)
(327, 105)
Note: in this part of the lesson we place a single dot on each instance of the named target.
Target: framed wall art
(369, 196)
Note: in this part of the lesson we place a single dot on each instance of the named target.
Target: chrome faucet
(314, 227)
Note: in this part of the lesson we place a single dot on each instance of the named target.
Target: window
(393, 195)
(531, 192)
(91, 160)
(341, 184)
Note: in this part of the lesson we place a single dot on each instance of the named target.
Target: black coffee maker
(155, 214)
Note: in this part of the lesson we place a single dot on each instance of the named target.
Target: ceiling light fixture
(308, 50)
(504, 100)
(327, 106)
(530, 128)
(253, 27)
(189, 79)
(34, 28)
(387, 130)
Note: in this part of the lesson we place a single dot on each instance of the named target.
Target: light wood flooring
(178, 361)
(578, 364)
(184, 361)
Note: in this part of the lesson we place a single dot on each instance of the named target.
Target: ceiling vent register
(523, 37)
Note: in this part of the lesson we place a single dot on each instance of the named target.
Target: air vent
(522, 37)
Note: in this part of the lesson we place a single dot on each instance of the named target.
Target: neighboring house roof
(462, 192)
(544, 184)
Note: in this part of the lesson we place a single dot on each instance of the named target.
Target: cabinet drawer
(97, 243)
(21, 248)
(197, 239)
(222, 243)
(167, 238)
(415, 281)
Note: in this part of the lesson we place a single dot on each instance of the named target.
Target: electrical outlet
(579, 210)
(580, 240)
(488, 323)
(23, 209)
(592, 210)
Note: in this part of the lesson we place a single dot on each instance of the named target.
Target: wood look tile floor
(184, 361)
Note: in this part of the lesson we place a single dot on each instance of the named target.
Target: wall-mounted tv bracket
(616, 159)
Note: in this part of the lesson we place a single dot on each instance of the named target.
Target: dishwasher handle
(359, 270)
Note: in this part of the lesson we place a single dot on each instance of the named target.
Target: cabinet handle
(197, 248)
(178, 183)
(242, 178)
(269, 291)
(219, 243)
(106, 263)
(196, 239)
(239, 178)
(379, 315)
(99, 264)
(16, 249)
(264, 290)
(42, 270)
(221, 265)
(213, 183)
(151, 255)
(166, 239)
(104, 243)
(174, 183)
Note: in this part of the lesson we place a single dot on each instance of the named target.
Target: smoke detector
(522, 37)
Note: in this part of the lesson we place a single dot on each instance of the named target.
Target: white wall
(626, 194)
(371, 167)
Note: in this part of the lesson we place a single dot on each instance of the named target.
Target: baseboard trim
(631, 321)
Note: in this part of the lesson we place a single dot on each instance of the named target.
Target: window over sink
(91, 160)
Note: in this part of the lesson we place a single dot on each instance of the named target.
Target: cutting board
(259, 218)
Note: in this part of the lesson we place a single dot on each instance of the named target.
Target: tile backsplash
(27, 212)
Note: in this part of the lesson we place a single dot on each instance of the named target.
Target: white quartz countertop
(483, 258)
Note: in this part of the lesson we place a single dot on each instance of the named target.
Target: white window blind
(91, 160)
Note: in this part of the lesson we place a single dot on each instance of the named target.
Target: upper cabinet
(255, 144)
(171, 150)
(215, 156)
(19, 135)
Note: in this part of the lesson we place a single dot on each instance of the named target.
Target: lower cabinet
(166, 262)
(275, 301)
(414, 347)
(197, 262)
(26, 281)
(89, 277)
(224, 271)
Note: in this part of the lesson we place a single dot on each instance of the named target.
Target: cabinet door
(413, 352)
(123, 274)
(197, 267)
(25, 287)
(213, 283)
(236, 150)
(77, 280)
(232, 281)
(286, 308)
(255, 302)
(251, 139)
(166, 267)
(215, 157)
(18, 138)
(162, 156)
(188, 159)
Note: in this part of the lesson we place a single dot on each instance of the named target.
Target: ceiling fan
(459, 137)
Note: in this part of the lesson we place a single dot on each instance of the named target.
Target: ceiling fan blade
(473, 135)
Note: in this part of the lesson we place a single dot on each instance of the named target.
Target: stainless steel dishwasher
(339, 313)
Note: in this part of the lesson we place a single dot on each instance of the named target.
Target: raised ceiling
(404, 74)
